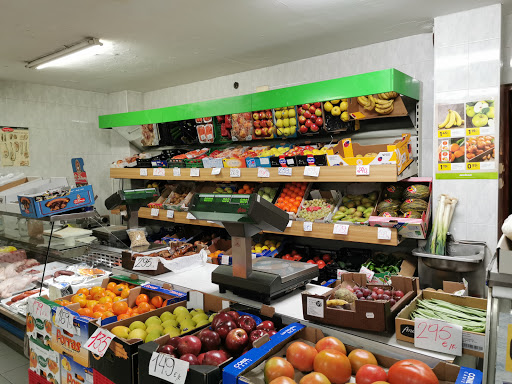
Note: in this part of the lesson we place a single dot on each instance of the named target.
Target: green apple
(121, 331)
(170, 323)
(180, 310)
(152, 336)
(137, 325)
(155, 327)
(138, 333)
(470, 111)
(480, 120)
(490, 112)
(153, 320)
(167, 316)
(172, 331)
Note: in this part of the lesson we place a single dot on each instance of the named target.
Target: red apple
(247, 323)
(312, 109)
(300, 111)
(307, 114)
(318, 112)
(234, 314)
(257, 132)
(256, 334)
(268, 114)
(262, 115)
(303, 129)
(236, 340)
(214, 358)
(225, 328)
(174, 341)
(267, 325)
(308, 124)
(256, 123)
(317, 104)
(270, 123)
(264, 131)
(200, 358)
(220, 319)
(189, 344)
(319, 121)
(168, 349)
(210, 340)
(305, 106)
(272, 333)
(302, 120)
(314, 128)
(190, 358)
(255, 116)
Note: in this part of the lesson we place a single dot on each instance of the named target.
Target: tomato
(330, 342)
(321, 264)
(283, 380)
(370, 373)
(315, 378)
(333, 364)
(411, 372)
(360, 357)
(276, 367)
(301, 356)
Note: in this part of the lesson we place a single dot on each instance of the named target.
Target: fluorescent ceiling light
(69, 54)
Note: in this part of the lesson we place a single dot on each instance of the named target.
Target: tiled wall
(467, 65)
(412, 55)
(63, 124)
(506, 48)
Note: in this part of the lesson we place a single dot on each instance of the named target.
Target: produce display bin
(376, 316)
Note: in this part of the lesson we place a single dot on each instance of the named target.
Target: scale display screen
(139, 194)
(220, 207)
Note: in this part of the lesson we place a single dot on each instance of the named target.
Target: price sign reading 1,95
(473, 166)
(145, 263)
(444, 133)
(64, 319)
(168, 368)
(158, 171)
(99, 341)
(437, 335)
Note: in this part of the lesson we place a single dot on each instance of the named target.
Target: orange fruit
(111, 286)
(125, 293)
(151, 306)
(110, 294)
(79, 299)
(108, 306)
(91, 303)
(157, 301)
(98, 295)
(105, 299)
(129, 311)
(123, 317)
(117, 298)
(65, 302)
(135, 311)
(120, 307)
(106, 315)
(84, 291)
(97, 315)
(143, 307)
(85, 312)
(99, 308)
(95, 290)
(142, 298)
(58, 302)
(119, 288)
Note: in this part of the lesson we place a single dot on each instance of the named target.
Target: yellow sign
(508, 357)
(472, 131)
(444, 133)
(472, 166)
(357, 115)
(444, 167)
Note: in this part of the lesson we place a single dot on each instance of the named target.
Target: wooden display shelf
(378, 173)
(356, 233)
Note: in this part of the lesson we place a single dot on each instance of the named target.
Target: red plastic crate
(98, 378)
(34, 378)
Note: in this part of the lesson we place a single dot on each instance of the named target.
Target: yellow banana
(447, 118)
(458, 119)
(385, 111)
(370, 107)
(383, 96)
(363, 101)
(452, 119)
(392, 94)
(383, 103)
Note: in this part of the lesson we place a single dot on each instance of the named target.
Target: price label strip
(168, 368)
(311, 171)
(176, 172)
(340, 229)
(215, 171)
(145, 263)
(143, 172)
(155, 212)
(437, 335)
(64, 319)
(159, 171)
(194, 172)
(308, 226)
(234, 172)
(383, 233)
(263, 172)
(99, 342)
(284, 171)
(170, 214)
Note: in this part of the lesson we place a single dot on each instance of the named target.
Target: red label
(79, 200)
(7, 129)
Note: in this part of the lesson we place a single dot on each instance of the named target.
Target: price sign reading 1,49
(168, 368)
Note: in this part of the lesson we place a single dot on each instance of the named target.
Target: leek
(436, 244)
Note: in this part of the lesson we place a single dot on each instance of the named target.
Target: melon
(388, 205)
(393, 191)
(412, 214)
(414, 205)
(388, 214)
(416, 191)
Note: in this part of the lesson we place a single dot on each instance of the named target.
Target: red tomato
(360, 357)
(333, 364)
(283, 380)
(370, 373)
(301, 356)
(330, 342)
(276, 367)
(321, 264)
(411, 372)
(310, 262)
(314, 378)
(326, 258)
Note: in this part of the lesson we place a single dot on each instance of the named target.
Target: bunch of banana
(367, 102)
(388, 95)
(384, 107)
(452, 119)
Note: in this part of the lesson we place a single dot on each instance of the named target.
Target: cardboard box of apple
(263, 124)
(310, 118)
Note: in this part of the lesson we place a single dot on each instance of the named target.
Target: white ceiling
(161, 43)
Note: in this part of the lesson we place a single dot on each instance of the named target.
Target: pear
(170, 323)
(202, 323)
(179, 310)
(167, 316)
(153, 320)
(138, 333)
(183, 316)
(172, 331)
(137, 325)
(120, 331)
(200, 316)
(152, 336)
(154, 327)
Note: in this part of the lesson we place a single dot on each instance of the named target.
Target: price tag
(473, 166)
(315, 307)
(159, 171)
(39, 309)
(145, 263)
(190, 216)
(225, 260)
(339, 272)
(472, 131)
(234, 172)
(362, 170)
(168, 368)
(369, 274)
(64, 319)
(444, 133)
(176, 172)
(383, 233)
(99, 341)
(311, 171)
(155, 212)
(340, 229)
(263, 172)
(284, 171)
(143, 172)
(215, 171)
(170, 214)
(437, 335)
(194, 172)
(289, 225)
(444, 167)
(308, 226)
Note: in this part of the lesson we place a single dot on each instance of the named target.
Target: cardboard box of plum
(353, 303)
(234, 331)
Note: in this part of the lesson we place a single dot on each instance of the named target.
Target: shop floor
(13, 366)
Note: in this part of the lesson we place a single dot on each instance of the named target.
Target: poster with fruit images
(466, 140)
(14, 143)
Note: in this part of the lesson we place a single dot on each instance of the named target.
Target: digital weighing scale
(133, 199)
(243, 216)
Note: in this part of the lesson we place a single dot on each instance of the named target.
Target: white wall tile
(452, 29)
(484, 23)
(484, 63)
(451, 68)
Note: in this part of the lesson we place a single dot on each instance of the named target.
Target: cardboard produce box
(248, 369)
(39, 321)
(203, 374)
(472, 343)
(44, 361)
(356, 111)
(73, 373)
(377, 316)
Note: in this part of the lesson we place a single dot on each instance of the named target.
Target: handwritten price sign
(194, 172)
(168, 368)
(39, 309)
(311, 171)
(263, 172)
(99, 341)
(176, 172)
(234, 172)
(143, 172)
(145, 263)
(159, 172)
(64, 319)
(284, 171)
(439, 336)
(362, 170)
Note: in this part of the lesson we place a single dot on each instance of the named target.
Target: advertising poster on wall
(466, 140)
(14, 144)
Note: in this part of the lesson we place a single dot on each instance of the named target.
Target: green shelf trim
(467, 175)
(345, 87)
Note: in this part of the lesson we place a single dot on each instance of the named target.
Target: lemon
(327, 106)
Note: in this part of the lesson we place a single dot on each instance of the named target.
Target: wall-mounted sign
(14, 146)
